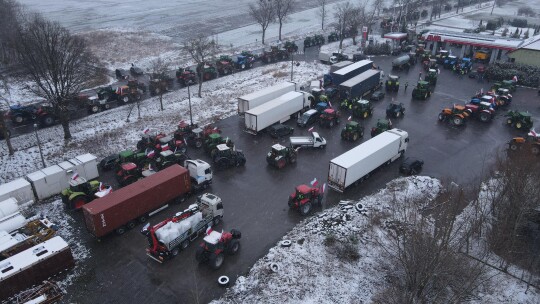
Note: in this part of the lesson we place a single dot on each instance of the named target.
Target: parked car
(121, 74)
(279, 130)
(377, 95)
(411, 166)
(109, 162)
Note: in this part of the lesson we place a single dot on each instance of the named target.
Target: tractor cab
(184, 128)
(351, 126)
(395, 109)
(79, 184)
(381, 126)
(303, 192)
(277, 150)
(223, 150)
(450, 61)
(321, 107)
(422, 85)
(126, 156)
(329, 114)
(485, 106)
(392, 83)
(441, 56)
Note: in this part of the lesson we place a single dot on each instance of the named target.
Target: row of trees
(266, 12)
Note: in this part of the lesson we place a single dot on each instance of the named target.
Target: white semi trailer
(260, 97)
(357, 164)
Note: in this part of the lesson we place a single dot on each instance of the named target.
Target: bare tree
(58, 62)
(3, 124)
(323, 11)
(201, 49)
(356, 18)
(283, 8)
(159, 81)
(342, 16)
(264, 13)
(9, 22)
(370, 16)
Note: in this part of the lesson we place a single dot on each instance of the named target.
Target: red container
(121, 209)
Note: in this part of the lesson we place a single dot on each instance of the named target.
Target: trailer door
(336, 177)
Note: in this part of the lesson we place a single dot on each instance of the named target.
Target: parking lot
(255, 196)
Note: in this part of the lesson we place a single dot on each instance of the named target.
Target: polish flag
(482, 91)
(329, 103)
(314, 183)
(514, 79)
(145, 131)
(209, 230)
(323, 187)
(533, 133)
(75, 176)
(349, 119)
(150, 154)
(165, 147)
(310, 129)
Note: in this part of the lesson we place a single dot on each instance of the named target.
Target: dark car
(411, 166)
(121, 74)
(309, 117)
(279, 130)
(358, 57)
(108, 162)
(136, 70)
(377, 95)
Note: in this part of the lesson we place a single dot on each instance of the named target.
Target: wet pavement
(255, 196)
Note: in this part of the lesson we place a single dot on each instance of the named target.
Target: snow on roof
(353, 67)
(532, 44)
(278, 147)
(13, 185)
(395, 35)
(213, 237)
(475, 39)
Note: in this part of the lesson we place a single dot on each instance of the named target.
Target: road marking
(439, 151)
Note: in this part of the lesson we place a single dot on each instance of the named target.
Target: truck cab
(404, 141)
(200, 173)
(210, 204)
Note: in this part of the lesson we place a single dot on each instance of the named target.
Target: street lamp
(292, 65)
(189, 100)
(39, 145)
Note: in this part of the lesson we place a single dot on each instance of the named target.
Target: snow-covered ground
(313, 270)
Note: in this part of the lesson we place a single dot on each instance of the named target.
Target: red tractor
(215, 245)
(193, 135)
(304, 197)
(482, 111)
(128, 174)
(186, 76)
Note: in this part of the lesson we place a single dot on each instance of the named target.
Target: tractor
(20, 114)
(127, 94)
(193, 135)
(275, 54)
(329, 118)
(149, 139)
(431, 77)
(441, 56)
(128, 173)
(160, 83)
(333, 37)
(215, 245)
(304, 197)
(430, 64)
(421, 91)
(483, 111)
(419, 49)
(465, 65)
(504, 98)
(186, 76)
(313, 41)
(362, 108)
(352, 131)
(280, 156)
(450, 62)
(224, 157)
(505, 84)
(128, 156)
(252, 57)
(392, 83)
(81, 192)
(381, 126)
(166, 159)
(225, 65)
(244, 62)
(214, 140)
(519, 120)
(395, 110)
(137, 85)
(457, 115)
(207, 70)
(291, 47)
(531, 143)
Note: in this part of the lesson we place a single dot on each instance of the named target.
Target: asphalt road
(255, 196)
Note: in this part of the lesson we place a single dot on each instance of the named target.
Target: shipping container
(350, 71)
(260, 97)
(20, 189)
(361, 85)
(34, 265)
(357, 164)
(122, 208)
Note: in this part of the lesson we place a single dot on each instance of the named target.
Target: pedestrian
(406, 85)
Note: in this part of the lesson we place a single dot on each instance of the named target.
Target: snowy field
(311, 270)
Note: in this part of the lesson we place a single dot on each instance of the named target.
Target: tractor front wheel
(292, 160)
(458, 121)
(216, 260)
(485, 117)
(365, 115)
(518, 125)
(355, 137)
(513, 147)
(94, 109)
(79, 201)
(233, 247)
(535, 150)
(198, 143)
(305, 209)
(48, 120)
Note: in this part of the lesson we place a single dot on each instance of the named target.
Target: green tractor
(381, 126)
(208, 71)
(81, 192)
(519, 120)
(129, 156)
(352, 131)
(363, 108)
(505, 84)
(166, 159)
(392, 83)
(421, 91)
(213, 141)
(333, 37)
(290, 46)
(280, 156)
(225, 157)
(431, 77)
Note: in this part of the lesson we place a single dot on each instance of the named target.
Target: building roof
(532, 44)
(480, 40)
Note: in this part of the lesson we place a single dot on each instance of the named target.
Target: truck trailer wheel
(143, 219)
(120, 230)
(130, 225)
(175, 251)
(184, 244)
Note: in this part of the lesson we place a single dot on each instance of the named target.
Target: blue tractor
(244, 62)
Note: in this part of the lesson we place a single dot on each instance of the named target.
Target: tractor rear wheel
(233, 247)
(535, 150)
(485, 117)
(305, 208)
(216, 260)
(355, 137)
(518, 125)
(513, 147)
(458, 121)
(79, 201)
(184, 244)
(441, 117)
(281, 163)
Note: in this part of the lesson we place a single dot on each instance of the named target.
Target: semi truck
(166, 239)
(258, 98)
(361, 85)
(277, 110)
(313, 141)
(357, 164)
(348, 72)
(340, 65)
(122, 209)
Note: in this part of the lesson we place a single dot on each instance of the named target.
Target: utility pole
(39, 145)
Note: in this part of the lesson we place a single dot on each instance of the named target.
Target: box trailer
(278, 110)
(361, 85)
(47, 182)
(260, 97)
(19, 189)
(357, 164)
(34, 265)
(86, 166)
(122, 208)
(340, 65)
(350, 71)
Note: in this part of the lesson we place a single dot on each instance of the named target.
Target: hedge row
(527, 75)
(378, 49)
